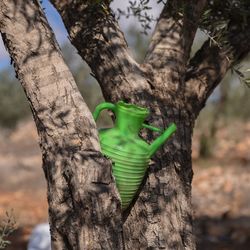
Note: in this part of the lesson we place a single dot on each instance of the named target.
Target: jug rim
(133, 108)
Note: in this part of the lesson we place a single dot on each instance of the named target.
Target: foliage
(7, 226)
(220, 17)
(139, 9)
(220, 21)
(243, 75)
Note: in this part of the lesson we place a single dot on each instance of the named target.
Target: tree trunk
(162, 216)
(84, 208)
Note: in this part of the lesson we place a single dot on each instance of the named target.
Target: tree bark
(210, 64)
(84, 207)
(160, 216)
(101, 43)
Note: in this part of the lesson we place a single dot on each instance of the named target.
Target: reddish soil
(221, 187)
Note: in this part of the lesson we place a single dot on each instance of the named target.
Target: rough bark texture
(161, 217)
(102, 45)
(84, 207)
(210, 64)
(161, 214)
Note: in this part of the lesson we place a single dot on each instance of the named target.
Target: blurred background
(221, 143)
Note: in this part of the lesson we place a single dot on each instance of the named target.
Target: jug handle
(102, 106)
(152, 128)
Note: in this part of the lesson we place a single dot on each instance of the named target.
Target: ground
(221, 186)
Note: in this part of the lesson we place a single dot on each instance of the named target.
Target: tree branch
(210, 64)
(99, 41)
(79, 178)
(206, 70)
(173, 36)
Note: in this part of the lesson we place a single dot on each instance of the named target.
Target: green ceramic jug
(129, 153)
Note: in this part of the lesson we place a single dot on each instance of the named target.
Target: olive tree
(84, 205)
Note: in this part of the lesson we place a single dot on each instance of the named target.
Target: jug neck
(129, 118)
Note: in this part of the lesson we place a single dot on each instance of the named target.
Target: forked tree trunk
(161, 217)
(83, 203)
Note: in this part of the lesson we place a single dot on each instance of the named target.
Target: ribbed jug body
(129, 153)
(130, 160)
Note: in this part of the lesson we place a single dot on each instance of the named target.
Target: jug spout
(162, 139)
